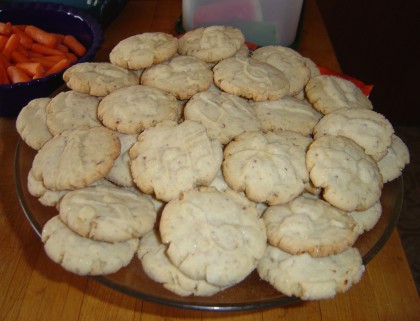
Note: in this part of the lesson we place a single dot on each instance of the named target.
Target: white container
(263, 22)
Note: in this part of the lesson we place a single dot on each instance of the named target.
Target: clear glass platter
(250, 294)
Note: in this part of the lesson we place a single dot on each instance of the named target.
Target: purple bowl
(53, 18)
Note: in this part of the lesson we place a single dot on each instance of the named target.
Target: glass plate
(252, 293)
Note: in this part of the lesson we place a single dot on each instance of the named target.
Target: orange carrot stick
(11, 45)
(62, 64)
(74, 45)
(4, 61)
(72, 57)
(3, 41)
(25, 41)
(32, 68)
(17, 75)
(62, 48)
(5, 28)
(43, 37)
(18, 57)
(4, 77)
(36, 47)
(47, 64)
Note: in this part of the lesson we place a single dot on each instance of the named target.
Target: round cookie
(267, 167)
(157, 265)
(120, 173)
(31, 123)
(287, 60)
(82, 255)
(182, 76)
(213, 236)
(369, 129)
(131, 109)
(143, 50)
(211, 44)
(169, 159)
(349, 177)
(249, 78)
(109, 214)
(328, 93)
(71, 109)
(396, 158)
(287, 113)
(224, 115)
(309, 225)
(311, 278)
(367, 219)
(76, 158)
(98, 78)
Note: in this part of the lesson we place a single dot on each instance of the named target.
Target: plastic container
(263, 22)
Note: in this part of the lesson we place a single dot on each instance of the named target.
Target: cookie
(120, 173)
(369, 129)
(109, 214)
(287, 113)
(82, 255)
(98, 78)
(288, 61)
(143, 50)
(31, 123)
(71, 109)
(249, 78)
(314, 70)
(76, 158)
(211, 44)
(224, 115)
(396, 158)
(328, 93)
(182, 76)
(349, 177)
(311, 278)
(213, 236)
(131, 109)
(267, 167)
(172, 158)
(296, 227)
(367, 219)
(157, 265)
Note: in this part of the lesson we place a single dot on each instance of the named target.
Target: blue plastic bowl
(53, 18)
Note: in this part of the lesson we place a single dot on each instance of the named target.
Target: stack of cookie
(207, 162)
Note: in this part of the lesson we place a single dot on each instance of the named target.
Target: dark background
(378, 42)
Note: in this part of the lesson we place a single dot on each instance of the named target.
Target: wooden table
(34, 288)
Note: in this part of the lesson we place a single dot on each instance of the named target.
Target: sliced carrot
(5, 28)
(43, 37)
(25, 41)
(11, 45)
(62, 64)
(32, 68)
(17, 75)
(4, 77)
(18, 57)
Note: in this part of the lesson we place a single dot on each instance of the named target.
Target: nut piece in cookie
(143, 50)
